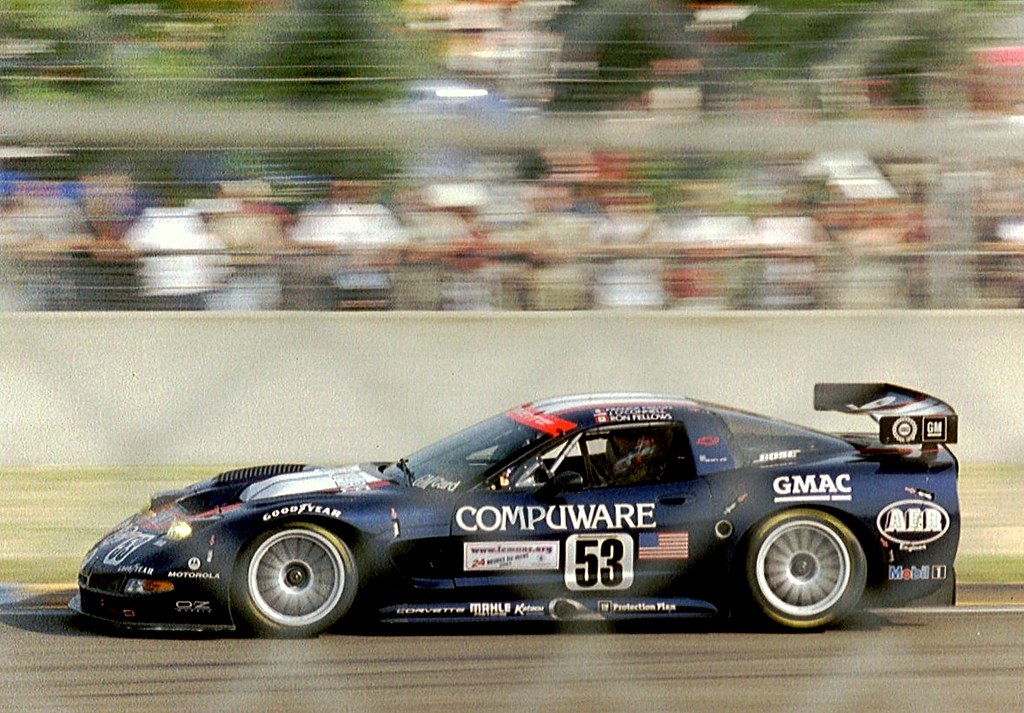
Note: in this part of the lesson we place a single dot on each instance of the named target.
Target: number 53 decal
(594, 562)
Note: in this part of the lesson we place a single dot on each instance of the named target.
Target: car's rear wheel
(295, 581)
(805, 569)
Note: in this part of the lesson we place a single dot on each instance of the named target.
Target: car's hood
(316, 479)
(266, 483)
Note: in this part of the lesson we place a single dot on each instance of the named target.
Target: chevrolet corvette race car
(606, 507)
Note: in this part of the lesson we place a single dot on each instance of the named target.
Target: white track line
(959, 609)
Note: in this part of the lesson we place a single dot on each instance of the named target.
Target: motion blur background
(855, 163)
(511, 154)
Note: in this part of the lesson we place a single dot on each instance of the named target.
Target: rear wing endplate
(904, 416)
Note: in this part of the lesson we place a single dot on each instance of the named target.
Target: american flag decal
(664, 546)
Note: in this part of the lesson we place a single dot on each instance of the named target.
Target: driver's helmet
(634, 456)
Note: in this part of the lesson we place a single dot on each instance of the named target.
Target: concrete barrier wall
(225, 388)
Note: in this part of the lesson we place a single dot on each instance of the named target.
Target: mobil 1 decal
(598, 562)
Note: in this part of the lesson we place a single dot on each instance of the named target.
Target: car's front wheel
(805, 569)
(296, 581)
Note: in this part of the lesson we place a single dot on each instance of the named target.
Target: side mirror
(566, 480)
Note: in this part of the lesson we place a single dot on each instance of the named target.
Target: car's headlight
(148, 586)
(178, 530)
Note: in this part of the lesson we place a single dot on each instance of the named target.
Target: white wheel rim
(803, 568)
(296, 577)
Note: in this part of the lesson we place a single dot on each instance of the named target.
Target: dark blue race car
(618, 506)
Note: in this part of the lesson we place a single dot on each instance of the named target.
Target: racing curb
(54, 596)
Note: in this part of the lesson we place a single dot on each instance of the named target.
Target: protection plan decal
(498, 556)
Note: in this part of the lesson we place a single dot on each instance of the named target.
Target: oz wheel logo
(904, 429)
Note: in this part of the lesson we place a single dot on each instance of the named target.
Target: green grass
(989, 569)
(50, 517)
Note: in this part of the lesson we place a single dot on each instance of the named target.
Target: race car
(596, 507)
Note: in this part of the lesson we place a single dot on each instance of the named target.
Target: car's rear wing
(904, 416)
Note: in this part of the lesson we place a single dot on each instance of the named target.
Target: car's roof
(587, 409)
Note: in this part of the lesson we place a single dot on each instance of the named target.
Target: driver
(635, 456)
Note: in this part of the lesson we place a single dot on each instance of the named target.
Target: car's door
(565, 520)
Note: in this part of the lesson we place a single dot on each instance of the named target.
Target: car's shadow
(53, 621)
(68, 623)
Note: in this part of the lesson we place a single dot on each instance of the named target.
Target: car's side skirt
(557, 609)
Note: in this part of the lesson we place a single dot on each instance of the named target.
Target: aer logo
(912, 524)
(822, 487)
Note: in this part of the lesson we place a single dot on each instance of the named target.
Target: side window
(762, 441)
(638, 454)
(563, 457)
(622, 455)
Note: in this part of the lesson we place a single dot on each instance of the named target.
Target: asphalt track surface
(970, 657)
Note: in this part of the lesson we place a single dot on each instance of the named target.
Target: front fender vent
(254, 473)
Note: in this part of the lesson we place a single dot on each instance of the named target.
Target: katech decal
(812, 488)
(498, 556)
(526, 518)
(913, 524)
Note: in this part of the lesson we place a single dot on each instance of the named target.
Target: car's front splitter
(149, 614)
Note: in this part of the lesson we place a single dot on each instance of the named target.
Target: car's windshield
(461, 459)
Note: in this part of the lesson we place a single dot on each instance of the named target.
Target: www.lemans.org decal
(516, 556)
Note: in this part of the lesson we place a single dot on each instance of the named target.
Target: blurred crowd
(581, 236)
(572, 231)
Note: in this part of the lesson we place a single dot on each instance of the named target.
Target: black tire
(804, 569)
(293, 582)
